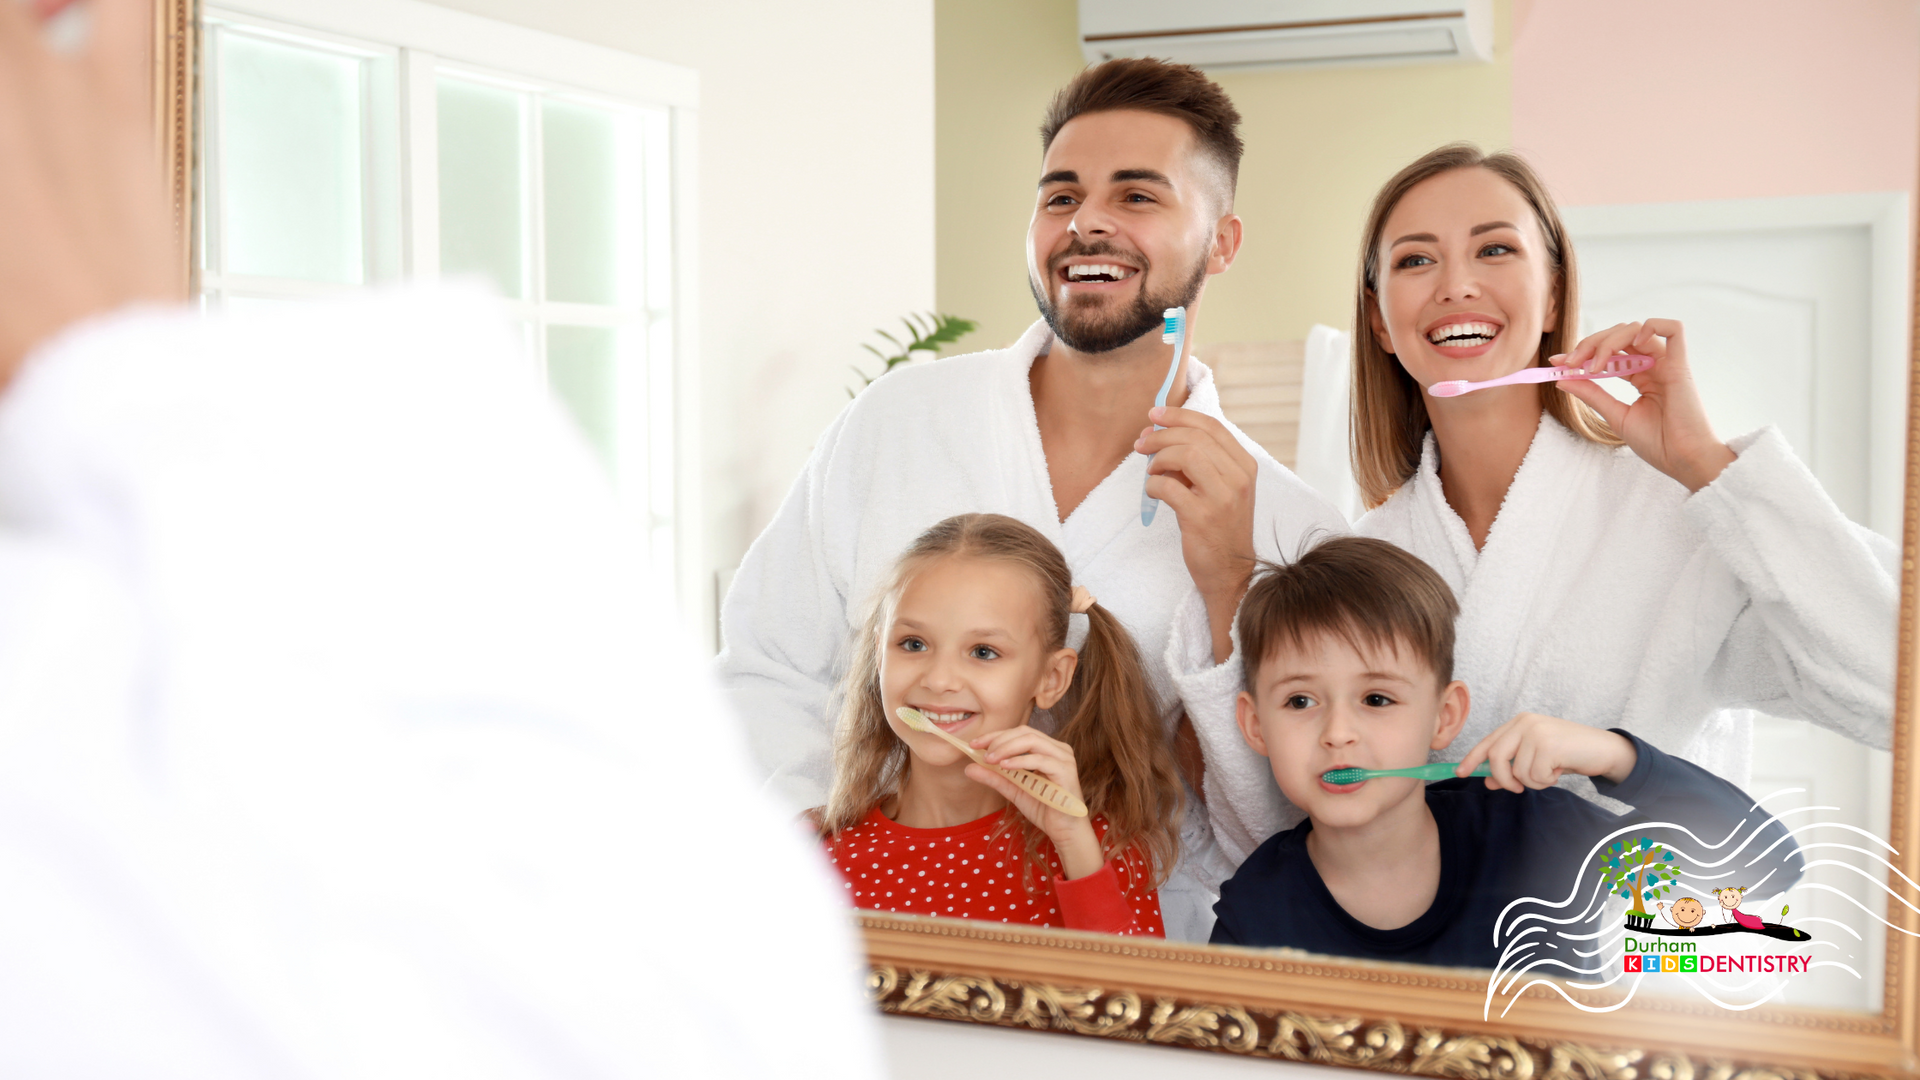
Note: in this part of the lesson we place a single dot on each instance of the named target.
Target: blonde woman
(1617, 564)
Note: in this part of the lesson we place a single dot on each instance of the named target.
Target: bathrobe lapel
(1515, 584)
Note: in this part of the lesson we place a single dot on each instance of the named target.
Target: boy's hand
(1025, 748)
(1534, 751)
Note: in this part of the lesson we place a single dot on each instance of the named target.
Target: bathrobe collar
(1114, 503)
(1514, 586)
(1538, 498)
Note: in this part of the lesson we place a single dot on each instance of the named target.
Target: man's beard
(1091, 333)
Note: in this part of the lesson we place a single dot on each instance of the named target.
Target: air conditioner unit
(1244, 34)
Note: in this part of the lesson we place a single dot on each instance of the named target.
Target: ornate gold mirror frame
(173, 112)
(1411, 1019)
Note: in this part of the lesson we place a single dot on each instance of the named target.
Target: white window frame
(421, 41)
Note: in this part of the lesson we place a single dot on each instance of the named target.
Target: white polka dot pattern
(966, 872)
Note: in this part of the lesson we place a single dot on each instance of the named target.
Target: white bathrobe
(1607, 595)
(922, 444)
(336, 743)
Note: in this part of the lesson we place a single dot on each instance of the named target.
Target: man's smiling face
(1124, 227)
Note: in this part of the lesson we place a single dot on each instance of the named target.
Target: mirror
(1670, 217)
(1645, 123)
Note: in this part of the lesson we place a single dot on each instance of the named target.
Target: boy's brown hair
(1156, 86)
(1369, 593)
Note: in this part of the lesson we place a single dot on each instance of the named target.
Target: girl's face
(1729, 898)
(1465, 287)
(964, 645)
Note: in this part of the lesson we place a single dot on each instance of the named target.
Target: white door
(1786, 312)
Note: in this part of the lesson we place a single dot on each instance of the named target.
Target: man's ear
(1249, 722)
(1454, 705)
(1057, 676)
(1228, 232)
(1377, 323)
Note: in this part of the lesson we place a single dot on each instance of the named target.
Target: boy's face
(1330, 706)
(1688, 912)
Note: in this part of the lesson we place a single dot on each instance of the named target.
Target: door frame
(1888, 220)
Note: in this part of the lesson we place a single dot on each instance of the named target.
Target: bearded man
(1133, 215)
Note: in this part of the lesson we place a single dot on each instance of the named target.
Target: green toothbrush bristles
(1344, 776)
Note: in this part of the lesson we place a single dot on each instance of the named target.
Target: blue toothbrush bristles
(1173, 315)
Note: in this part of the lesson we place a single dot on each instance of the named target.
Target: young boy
(1350, 664)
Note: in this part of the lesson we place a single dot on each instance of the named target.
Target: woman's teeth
(1463, 335)
(1099, 272)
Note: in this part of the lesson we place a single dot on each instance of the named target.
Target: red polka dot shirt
(967, 873)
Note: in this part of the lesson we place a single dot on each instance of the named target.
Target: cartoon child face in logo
(1687, 912)
(1730, 898)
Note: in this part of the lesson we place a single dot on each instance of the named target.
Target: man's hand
(82, 205)
(1203, 473)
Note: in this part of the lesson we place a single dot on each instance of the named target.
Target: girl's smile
(964, 645)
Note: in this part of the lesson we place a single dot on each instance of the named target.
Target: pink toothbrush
(1615, 367)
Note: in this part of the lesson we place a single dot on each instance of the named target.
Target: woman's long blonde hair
(1108, 715)
(1389, 412)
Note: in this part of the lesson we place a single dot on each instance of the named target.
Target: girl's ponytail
(1112, 721)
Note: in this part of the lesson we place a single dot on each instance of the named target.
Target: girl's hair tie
(1081, 600)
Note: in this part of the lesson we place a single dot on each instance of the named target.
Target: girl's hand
(1668, 425)
(1024, 748)
(1533, 751)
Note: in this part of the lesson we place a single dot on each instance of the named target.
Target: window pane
(581, 368)
(290, 161)
(482, 201)
(582, 180)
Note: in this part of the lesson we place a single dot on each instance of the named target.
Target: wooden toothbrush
(1032, 783)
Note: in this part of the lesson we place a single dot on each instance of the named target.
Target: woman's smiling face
(1465, 285)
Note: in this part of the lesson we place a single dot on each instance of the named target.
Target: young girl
(972, 631)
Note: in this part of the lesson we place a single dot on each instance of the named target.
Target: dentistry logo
(1643, 871)
(1654, 900)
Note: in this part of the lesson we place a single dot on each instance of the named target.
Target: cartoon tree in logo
(1639, 872)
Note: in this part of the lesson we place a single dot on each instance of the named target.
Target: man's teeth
(1463, 335)
(1099, 272)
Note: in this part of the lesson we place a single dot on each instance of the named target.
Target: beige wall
(1319, 142)
(815, 221)
(996, 65)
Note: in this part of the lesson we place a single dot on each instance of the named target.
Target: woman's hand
(1534, 751)
(1668, 426)
(1024, 748)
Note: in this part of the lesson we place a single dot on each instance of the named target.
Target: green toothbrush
(1440, 770)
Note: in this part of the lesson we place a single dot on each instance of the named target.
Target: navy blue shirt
(1497, 847)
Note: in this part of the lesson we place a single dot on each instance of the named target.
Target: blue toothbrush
(1175, 332)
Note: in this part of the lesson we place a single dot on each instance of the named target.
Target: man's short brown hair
(1156, 86)
(1369, 593)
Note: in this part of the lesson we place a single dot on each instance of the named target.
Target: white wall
(815, 208)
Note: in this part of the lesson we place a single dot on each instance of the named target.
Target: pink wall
(1623, 101)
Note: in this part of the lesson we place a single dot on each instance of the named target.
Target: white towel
(335, 743)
